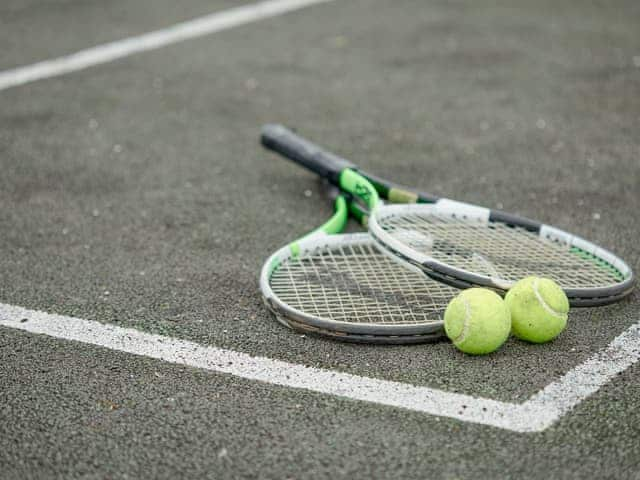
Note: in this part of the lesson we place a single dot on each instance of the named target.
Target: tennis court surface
(137, 207)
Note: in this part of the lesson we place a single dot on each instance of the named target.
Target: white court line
(179, 32)
(534, 415)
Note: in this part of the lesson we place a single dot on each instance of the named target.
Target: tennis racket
(343, 287)
(460, 244)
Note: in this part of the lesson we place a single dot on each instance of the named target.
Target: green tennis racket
(341, 286)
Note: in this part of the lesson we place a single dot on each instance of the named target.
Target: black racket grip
(283, 141)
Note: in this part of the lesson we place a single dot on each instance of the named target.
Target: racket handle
(283, 141)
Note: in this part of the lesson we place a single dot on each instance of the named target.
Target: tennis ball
(477, 321)
(539, 309)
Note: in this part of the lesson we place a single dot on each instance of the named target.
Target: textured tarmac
(136, 193)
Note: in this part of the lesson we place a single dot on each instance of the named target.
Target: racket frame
(374, 339)
(319, 240)
(297, 320)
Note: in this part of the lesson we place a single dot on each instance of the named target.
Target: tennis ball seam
(465, 324)
(543, 303)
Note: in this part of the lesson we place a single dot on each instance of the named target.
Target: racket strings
(497, 250)
(355, 283)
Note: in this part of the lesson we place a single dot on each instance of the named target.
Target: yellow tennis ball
(539, 309)
(477, 321)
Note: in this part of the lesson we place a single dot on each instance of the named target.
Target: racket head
(465, 245)
(344, 284)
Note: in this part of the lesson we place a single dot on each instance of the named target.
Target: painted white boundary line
(179, 32)
(535, 415)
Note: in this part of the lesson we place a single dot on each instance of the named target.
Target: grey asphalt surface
(136, 193)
